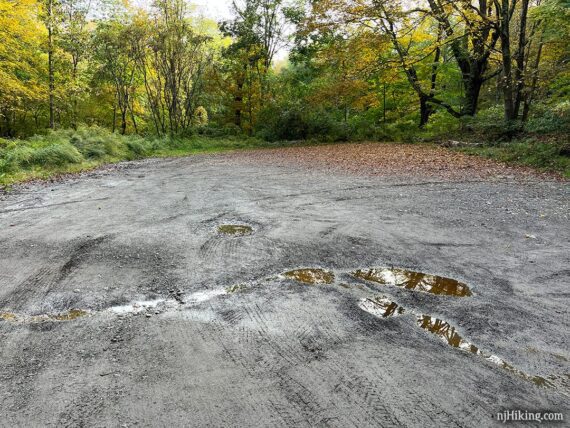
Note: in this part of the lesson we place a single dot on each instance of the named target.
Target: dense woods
(356, 69)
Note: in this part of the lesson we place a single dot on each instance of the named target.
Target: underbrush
(551, 156)
(67, 151)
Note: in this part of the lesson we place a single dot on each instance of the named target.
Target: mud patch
(381, 307)
(310, 276)
(416, 281)
(235, 229)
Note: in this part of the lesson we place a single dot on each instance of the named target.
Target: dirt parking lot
(285, 288)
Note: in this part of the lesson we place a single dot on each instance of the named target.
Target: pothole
(235, 229)
(381, 307)
(311, 276)
(416, 281)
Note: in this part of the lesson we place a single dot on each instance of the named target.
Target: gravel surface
(122, 303)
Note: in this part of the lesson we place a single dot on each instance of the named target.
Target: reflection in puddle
(414, 281)
(235, 229)
(447, 332)
(381, 307)
(537, 380)
(310, 276)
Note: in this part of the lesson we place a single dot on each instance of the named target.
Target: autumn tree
(172, 58)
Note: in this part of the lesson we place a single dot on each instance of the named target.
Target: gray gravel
(224, 340)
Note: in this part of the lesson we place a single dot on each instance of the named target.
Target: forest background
(86, 82)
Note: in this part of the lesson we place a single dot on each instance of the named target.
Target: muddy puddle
(70, 315)
(416, 281)
(310, 276)
(8, 316)
(236, 288)
(446, 332)
(381, 307)
(235, 229)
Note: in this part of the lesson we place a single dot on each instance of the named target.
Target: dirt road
(122, 303)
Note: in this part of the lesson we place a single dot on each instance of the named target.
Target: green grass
(69, 151)
(543, 156)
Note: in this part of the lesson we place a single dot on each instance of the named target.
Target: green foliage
(291, 122)
(54, 155)
(546, 156)
(87, 147)
(548, 119)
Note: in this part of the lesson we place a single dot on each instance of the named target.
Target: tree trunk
(530, 96)
(520, 59)
(472, 86)
(50, 65)
(507, 61)
(238, 101)
(426, 110)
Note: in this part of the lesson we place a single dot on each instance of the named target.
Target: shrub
(54, 155)
(137, 148)
(291, 122)
(550, 119)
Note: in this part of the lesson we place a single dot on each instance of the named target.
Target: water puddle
(414, 281)
(446, 332)
(236, 288)
(70, 315)
(381, 307)
(235, 229)
(310, 276)
(8, 316)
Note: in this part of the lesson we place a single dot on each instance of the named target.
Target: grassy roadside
(543, 156)
(68, 151)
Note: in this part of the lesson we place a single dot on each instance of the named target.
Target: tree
(172, 58)
(114, 45)
(22, 69)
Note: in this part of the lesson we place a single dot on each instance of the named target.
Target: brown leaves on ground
(389, 159)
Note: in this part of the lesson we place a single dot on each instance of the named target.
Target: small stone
(148, 315)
